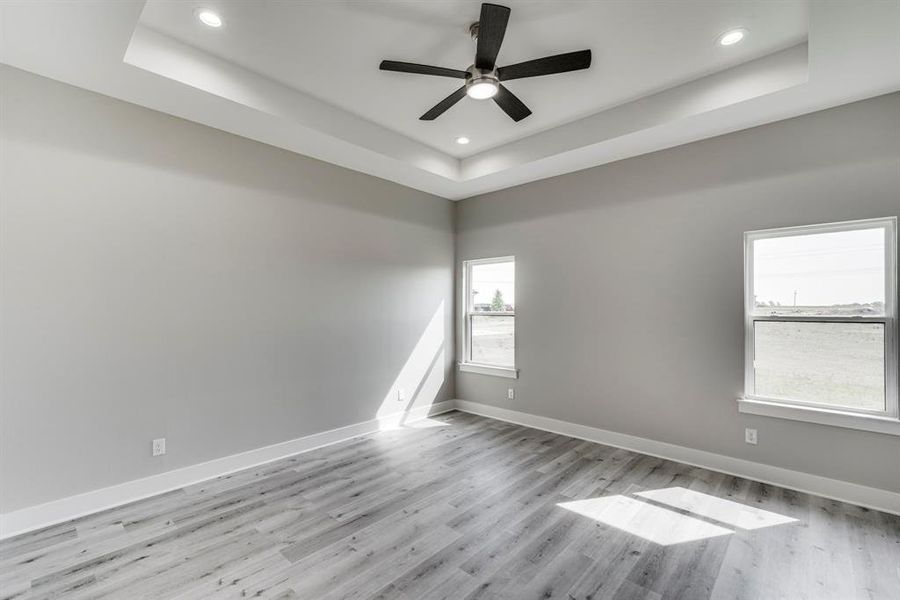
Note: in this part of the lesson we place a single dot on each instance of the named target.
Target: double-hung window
(489, 316)
(821, 324)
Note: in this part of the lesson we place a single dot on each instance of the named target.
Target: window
(489, 307)
(821, 324)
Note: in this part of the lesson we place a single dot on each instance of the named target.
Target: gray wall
(629, 283)
(162, 279)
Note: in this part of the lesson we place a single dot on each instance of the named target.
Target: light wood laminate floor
(466, 507)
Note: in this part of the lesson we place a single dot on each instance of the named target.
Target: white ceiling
(331, 50)
(303, 75)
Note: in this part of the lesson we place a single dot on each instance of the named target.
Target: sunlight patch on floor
(717, 509)
(658, 525)
(393, 424)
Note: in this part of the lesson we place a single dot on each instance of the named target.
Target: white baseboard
(852, 493)
(64, 509)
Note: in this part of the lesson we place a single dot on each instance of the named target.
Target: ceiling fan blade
(560, 63)
(491, 29)
(444, 104)
(405, 67)
(511, 105)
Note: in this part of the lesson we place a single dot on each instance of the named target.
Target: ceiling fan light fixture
(482, 89)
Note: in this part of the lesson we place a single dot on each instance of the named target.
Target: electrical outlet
(159, 447)
(510, 394)
(401, 395)
(750, 436)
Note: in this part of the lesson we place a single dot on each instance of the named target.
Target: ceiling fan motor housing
(477, 75)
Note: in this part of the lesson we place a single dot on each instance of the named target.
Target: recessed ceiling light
(732, 36)
(209, 18)
(462, 140)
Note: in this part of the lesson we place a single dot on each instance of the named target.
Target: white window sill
(508, 372)
(822, 416)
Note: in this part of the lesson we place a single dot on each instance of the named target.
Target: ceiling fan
(484, 77)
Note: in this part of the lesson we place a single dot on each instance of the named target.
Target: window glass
(491, 326)
(493, 287)
(836, 364)
(493, 340)
(837, 273)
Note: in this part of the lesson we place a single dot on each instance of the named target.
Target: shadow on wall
(419, 382)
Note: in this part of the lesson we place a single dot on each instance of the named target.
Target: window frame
(467, 313)
(887, 421)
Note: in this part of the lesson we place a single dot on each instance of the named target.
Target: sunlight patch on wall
(420, 379)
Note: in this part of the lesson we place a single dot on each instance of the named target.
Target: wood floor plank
(470, 509)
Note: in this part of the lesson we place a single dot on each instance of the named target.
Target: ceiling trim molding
(160, 54)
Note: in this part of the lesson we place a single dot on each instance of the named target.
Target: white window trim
(887, 421)
(465, 364)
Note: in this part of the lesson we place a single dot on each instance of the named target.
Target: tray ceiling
(304, 75)
(331, 51)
